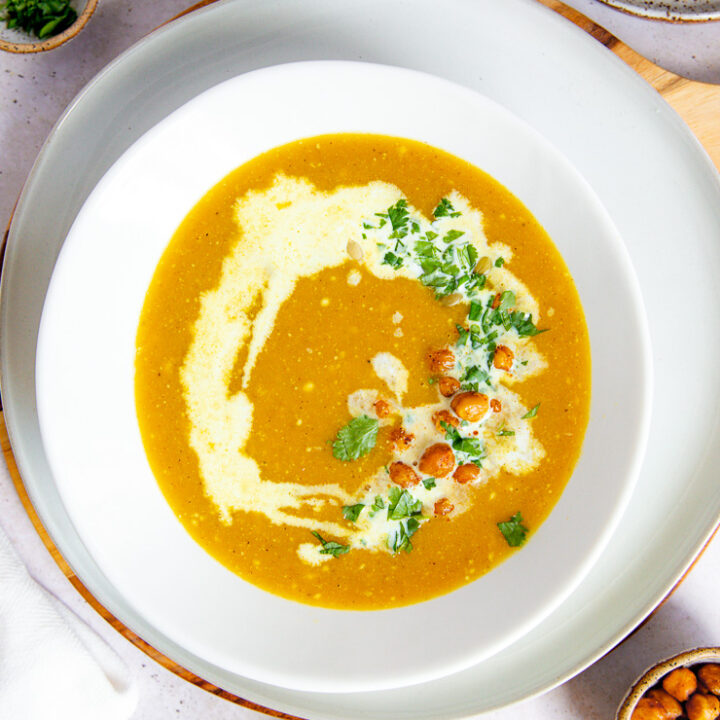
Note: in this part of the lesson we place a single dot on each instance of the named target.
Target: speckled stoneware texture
(655, 673)
(17, 41)
(670, 10)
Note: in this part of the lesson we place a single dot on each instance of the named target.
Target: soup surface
(362, 372)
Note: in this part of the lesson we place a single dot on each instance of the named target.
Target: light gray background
(34, 90)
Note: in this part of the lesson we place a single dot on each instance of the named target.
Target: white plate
(658, 186)
(85, 377)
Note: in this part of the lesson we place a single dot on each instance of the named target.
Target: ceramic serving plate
(653, 178)
(85, 375)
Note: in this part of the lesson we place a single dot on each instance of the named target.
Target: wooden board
(697, 103)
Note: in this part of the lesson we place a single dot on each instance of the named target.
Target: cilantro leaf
(531, 413)
(429, 483)
(399, 537)
(445, 209)
(513, 530)
(500, 262)
(356, 439)
(451, 235)
(330, 547)
(398, 214)
(352, 512)
(402, 504)
(392, 260)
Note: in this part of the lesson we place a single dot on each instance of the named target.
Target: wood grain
(697, 103)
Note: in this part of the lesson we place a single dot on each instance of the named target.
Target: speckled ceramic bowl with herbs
(17, 40)
(670, 10)
(653, 679)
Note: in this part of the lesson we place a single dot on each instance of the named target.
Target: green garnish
(429, 483)
(42, 18)
(471, 447)
(514, 530)
(330, 547)
(500, 262)
(356, 439)
(445, 209)
(451, 235)
(503, 432)
(352, 512)
(392, 260)
(402, 504)
(398, 214)
(531, 413)
(399, 538)
(377, 506)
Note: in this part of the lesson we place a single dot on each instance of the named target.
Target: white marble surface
(34, 90)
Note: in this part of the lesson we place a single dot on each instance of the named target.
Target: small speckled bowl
(670, 10)
(17, 41)
(657, 672)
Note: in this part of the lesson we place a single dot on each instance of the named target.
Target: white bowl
(86, 401)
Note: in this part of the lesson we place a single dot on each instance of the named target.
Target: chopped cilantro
(531, 413)
(451, 235)
(445, 209)
(472, 447)
(393, 260)
(352, 512)
(398, 214)
(513, 530)
(507, 300)
(399, 537)
(402, 504)
(500, 262)
(429, 483)
(356, 439)
(378, 504)
(330, 547)
(503, 432)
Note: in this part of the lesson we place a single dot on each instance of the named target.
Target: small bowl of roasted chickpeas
(683, 687)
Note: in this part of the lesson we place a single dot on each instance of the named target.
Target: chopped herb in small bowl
(36, 25)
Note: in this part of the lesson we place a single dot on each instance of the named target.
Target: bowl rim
(653, 674)
(33, 46)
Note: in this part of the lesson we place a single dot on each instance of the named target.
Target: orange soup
(362, 372)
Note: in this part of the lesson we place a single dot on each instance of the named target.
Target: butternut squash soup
(362, 372)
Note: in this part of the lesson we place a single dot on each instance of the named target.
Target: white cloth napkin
(52, 665)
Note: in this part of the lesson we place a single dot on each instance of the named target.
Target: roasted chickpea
(702, 707)
(438, 460)
(503, 358)
(495, 405)
(448, 386)
(466, 473)
(470, 406)
(403, 475)
(441, 361)
(709, 675)
(443, 507)
(400, 439)
(681, 683)
(673, 709)
(382, 408)
(444, 416)
(648, 709)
